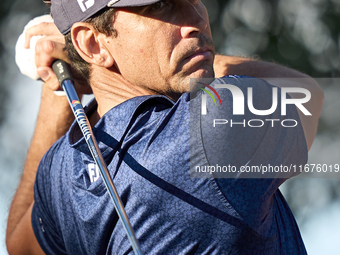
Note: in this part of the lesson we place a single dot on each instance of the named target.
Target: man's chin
(186, 82)
(201, 73)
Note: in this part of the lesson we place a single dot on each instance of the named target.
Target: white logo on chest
(93, 172)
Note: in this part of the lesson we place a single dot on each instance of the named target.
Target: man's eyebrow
(135, 9)
(144, 7)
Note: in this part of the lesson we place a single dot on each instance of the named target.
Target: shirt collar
(119, 119)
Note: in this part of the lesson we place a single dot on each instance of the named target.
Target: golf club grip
(61, 70)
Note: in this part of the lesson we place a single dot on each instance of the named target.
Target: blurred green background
(301, 34)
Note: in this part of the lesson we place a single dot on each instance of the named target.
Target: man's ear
(89, 44)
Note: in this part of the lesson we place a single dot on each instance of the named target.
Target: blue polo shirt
(152, 147)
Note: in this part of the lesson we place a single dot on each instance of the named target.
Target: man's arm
(55, 117)
(279, 76)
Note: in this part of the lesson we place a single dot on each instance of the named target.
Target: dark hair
(103, 23)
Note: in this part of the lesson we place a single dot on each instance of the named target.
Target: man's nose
(196, 18)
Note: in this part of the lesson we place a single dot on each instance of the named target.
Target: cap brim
(130, 3)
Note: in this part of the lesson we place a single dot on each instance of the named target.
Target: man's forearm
(229, 65)
(279, 76)
(55, 117)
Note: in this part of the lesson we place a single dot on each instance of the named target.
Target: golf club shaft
(65, 79)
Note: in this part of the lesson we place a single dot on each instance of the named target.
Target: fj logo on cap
(85, 4)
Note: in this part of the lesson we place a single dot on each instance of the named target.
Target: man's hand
(47, 50)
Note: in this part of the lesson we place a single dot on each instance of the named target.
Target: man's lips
(199, 55)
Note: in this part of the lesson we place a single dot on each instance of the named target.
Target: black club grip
(62, 71)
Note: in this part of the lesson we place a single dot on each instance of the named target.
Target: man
(138, 58)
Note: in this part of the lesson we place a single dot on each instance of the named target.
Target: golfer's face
(162, 45)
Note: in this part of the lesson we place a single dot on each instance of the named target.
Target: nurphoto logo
(239, 100)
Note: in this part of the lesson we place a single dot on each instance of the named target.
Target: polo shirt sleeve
(262, 142)
(42, 218)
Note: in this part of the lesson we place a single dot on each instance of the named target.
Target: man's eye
(157, 5)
